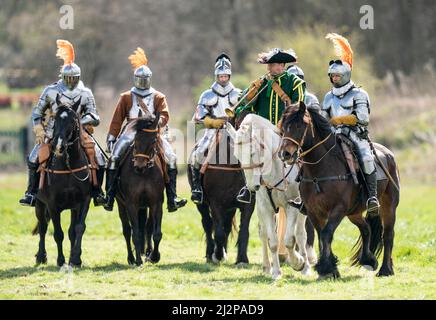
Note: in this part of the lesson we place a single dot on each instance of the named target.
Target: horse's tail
(375, 242)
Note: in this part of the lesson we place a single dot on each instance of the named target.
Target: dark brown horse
(140, 192)
(66, 186)
(221, 184)
(329, 194)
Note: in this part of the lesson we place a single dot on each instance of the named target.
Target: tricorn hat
(277, 55)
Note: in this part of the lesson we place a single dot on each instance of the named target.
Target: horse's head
(300, 128)
(66, 126)
(253, 149)
(144, 151)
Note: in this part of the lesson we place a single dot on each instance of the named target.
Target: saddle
(353, 162)
(88, 146)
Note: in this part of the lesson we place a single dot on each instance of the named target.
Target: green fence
(13, 146)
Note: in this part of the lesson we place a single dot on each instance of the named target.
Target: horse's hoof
(215, 259)
(41, 259)
(306, 270)
(241, 265)
(60, 261)
(277, 276)
(332, 275)
(155, 258)
(299, 266)
(385, 272)
(266, 270)
(367, 267)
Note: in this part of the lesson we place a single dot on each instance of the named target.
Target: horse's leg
(142, 218)
(72, 231)
(41, 228)
(127, 232)
(132, 212)
(80, 228)
(296, 261)
(243, 236)
(388, 211)
(263, 235)
(156, 212)
(327, 264)
(207, 223)
(365, 258)
(266, 215)
(301, 236)
(148, 235)
(218, 213)
(311, 254)
(228, 224)
(58, 234)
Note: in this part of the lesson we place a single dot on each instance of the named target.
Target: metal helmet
(70, 74)
(297, 71)
(223, 65)
(341, 68)
(142, 77)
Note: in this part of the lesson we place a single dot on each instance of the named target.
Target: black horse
(140, 192)
(66, 186)
(329, 194)
(221, 184)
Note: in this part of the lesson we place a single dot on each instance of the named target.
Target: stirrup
(195, 195)
(372, 206)
(176, 204)
(242, 193)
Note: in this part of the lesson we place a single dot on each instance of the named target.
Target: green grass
(182, 272)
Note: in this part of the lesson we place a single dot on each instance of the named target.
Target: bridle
(299, 154)
(149, 158)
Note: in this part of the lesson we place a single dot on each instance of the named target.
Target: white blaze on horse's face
(58, 147)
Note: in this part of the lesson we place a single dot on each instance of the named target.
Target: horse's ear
(302, 106)
(58, 100)
(140, 113)
(76, 104)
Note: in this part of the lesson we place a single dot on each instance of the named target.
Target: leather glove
(350, 120)
(39, 133)
(89, 129)
(213, 123)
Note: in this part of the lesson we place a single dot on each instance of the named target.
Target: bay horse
(140, 191)
(257, 142)
(66, 186)
(329, 194)
(222, 180)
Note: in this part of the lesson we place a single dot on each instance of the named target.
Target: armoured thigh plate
(202, 145)
(170, 156)
(33, 156)
(364, 152)
(122, 144)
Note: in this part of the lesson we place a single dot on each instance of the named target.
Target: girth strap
(316, 180)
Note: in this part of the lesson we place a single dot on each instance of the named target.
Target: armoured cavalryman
(348, 108)
(142, 98)
(70, 89)
(270, 95)
(210, 112)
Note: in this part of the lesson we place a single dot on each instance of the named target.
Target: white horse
(257, 143)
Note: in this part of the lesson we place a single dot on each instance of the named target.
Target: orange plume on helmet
(342, 47)
(65, 51)
(138, 58)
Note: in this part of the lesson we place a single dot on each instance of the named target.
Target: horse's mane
(295, 114)
(253, 120)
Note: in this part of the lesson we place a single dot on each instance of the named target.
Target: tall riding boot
(111, 188)
(29, 198)
(244, 195)
(97, 192)
(197, 192)
(173, 202)
(372, 204)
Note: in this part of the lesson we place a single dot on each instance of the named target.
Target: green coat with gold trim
(268, 104)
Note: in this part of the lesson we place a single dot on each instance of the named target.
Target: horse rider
(142, 98)
(348, 107)
(210, 112)
(272, 94)
(70, 89)
(310, 100)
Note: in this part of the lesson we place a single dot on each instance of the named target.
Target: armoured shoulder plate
(208, 98)
(328, 100)
(234, 95)
(311, 100)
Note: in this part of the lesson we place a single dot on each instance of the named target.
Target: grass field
(182, 272)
